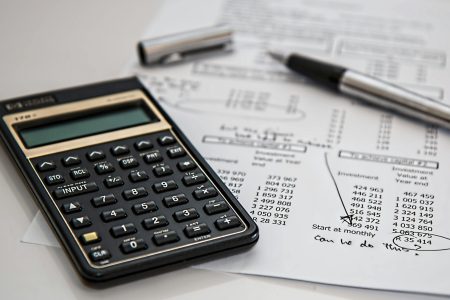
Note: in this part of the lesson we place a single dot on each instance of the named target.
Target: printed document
(343, 192)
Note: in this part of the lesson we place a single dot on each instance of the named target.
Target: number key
(165, 186)
(124, 229)
(103, 200)
(133, 246)
(185, 215)
(135, 193)
(155, 222)
(144, 207)
(175, 200)
(112, 215)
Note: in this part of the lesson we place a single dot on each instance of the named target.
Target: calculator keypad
(136, 197)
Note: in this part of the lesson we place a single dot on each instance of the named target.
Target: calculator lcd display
(85, 125)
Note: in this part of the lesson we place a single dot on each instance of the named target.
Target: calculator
(121, 185)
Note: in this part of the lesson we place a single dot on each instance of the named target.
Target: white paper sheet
(343, 193)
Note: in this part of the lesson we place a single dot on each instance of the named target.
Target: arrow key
(46, 166)
(186, 165)
(80, 222)
(71, 161)
(71, 207)
(95, 155)
(120, 150)
(143, 145)
(166, 140)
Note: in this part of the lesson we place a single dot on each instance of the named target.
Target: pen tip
(277, 55)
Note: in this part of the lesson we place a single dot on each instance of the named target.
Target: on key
(70, 191)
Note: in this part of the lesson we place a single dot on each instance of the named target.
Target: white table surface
(50, 44)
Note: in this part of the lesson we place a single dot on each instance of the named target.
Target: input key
(74, 190)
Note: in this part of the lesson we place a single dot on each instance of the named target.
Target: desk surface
(53, 44)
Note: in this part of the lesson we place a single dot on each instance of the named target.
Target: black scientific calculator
(121, 185)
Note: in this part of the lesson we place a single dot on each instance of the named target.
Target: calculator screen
(89, 123)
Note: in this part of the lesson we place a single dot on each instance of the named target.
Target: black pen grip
(320, 72)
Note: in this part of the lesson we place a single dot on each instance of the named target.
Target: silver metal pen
(186, 45)
(368, 88)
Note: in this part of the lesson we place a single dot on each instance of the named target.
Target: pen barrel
(390, 96)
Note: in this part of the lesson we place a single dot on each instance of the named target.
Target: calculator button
(205, 193)
(71, 207)
(196, 230)
(153, 157)
(69, 191)
(143, 145)
(80, 222)
(162, 171)
(79, 174)
(112, 215)
(227, 223)
(103, 168)
(216, 207)
(144, 207)
(155, 222)
(133, 246)
(95, 155)
(136, 176)
(165, 238)
(186, 165)
(113, 181)
(120, 150)
(46, 166)
(175, 200)
(135, 193)
(175, 152)
(123, 230)
(54, 179)
(165, 186)
(71, 161)
(185, 215)
(90, 238)
(128, 163)
(103, 200)
(99, 255)
(194, 179)
(166, 140)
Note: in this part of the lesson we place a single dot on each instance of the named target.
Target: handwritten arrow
(347, 218)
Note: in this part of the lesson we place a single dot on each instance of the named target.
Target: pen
(368, 88)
